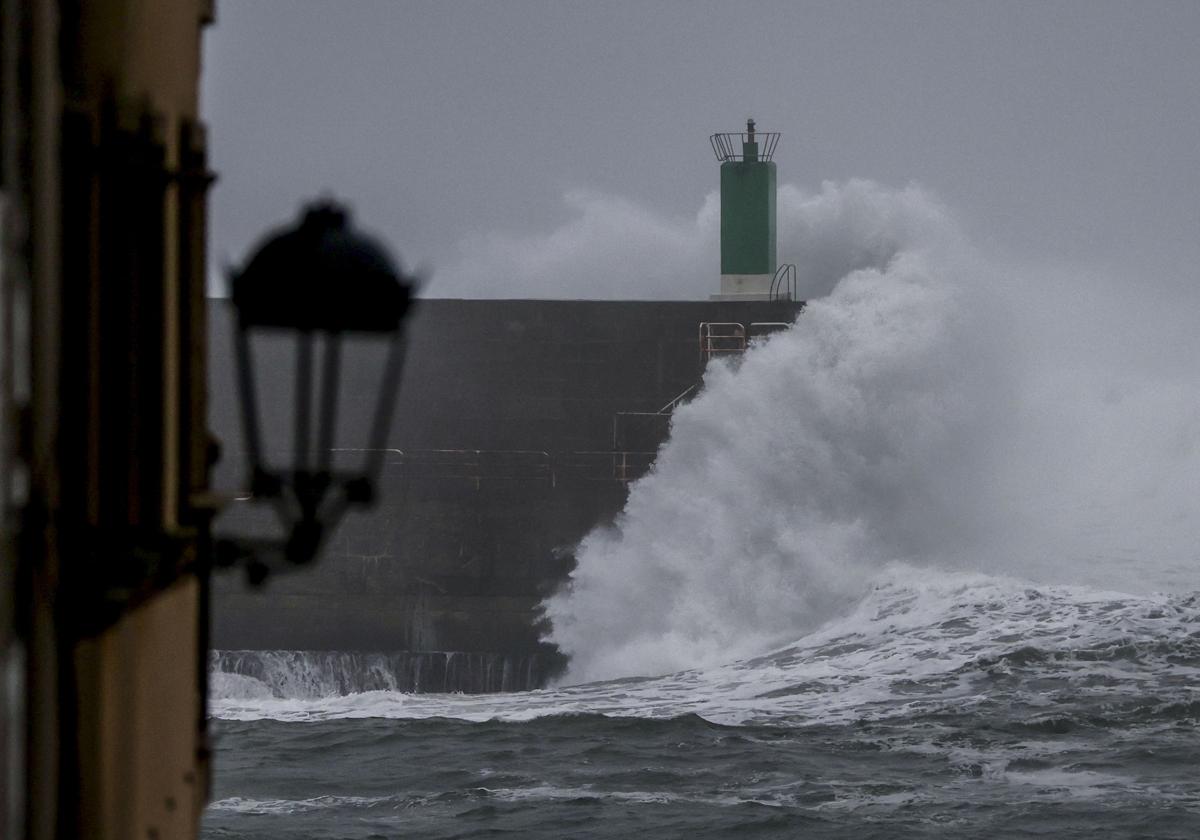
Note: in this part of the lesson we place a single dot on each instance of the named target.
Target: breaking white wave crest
(933, 409)
(273, 807)
(912, 645)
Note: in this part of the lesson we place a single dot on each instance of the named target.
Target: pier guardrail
(480, 465)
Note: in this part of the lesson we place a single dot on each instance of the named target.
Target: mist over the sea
(932, 407)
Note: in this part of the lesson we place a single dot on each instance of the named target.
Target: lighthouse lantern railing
(731, 146)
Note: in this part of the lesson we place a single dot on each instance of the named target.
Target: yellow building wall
(138, 703)
(141, 755)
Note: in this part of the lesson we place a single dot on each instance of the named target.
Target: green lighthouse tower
(747, 213)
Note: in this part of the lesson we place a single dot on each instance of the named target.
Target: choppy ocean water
(965, 706)
(930, 406)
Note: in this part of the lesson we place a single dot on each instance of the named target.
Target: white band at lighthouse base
(746, 284)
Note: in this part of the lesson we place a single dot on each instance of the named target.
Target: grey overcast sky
(1060, 132)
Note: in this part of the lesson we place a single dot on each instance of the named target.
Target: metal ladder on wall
(783, 284)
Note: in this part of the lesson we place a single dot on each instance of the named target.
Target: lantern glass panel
(272, 358)
(364, 369)
(316, 397)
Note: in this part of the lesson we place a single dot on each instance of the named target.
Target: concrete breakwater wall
(519, 426)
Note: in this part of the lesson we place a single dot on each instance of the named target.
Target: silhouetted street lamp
(317, 285)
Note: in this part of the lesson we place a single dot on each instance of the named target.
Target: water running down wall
(263, 674)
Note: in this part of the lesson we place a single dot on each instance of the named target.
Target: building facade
(103, 442)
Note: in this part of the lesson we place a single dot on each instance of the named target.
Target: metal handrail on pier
(721, 338)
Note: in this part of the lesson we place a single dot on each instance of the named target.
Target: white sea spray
(934, 408)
